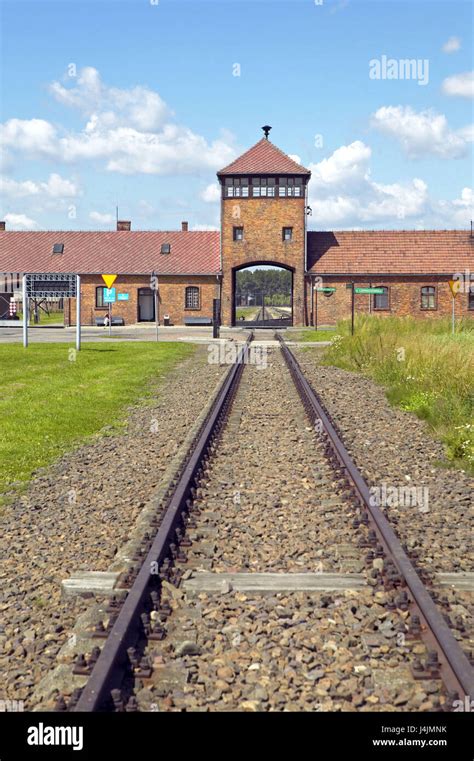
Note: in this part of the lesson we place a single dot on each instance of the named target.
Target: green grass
(310, 334)
(424, 369)
(49, 403)
(248, 313)
(55, 318)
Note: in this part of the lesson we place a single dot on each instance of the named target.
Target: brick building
(264, 213)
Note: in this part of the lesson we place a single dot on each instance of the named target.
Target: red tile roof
(133, 253)
(396, 252)
(264, 158)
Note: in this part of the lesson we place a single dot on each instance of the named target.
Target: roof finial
(266, 130)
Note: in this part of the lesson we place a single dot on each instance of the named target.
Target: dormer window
(166, 248)
(58, 248)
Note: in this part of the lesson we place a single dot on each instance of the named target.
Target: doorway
(263, 296)
(146, 305)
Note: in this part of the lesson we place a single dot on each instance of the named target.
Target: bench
(198, 321)
(99, 321)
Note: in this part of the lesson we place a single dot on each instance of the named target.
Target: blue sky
(138, 104)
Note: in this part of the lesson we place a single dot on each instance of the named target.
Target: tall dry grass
(424, 368)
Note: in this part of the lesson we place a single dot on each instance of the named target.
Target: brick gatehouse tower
(263, 220)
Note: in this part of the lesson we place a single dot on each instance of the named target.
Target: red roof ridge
(248, 162)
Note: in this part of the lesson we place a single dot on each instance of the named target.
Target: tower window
(428, 297)
(290, 186)
(287, 233)
(236, 187)
(238, 233)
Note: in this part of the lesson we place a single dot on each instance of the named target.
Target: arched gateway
(263, 219)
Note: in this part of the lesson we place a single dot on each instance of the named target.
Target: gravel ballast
(271, 503)
(77, 514)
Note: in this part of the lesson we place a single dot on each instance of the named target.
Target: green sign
(325, 290)
(368, 290)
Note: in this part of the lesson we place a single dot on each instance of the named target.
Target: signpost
(351, 286)
(216, 317)
(109, 298)
(109, 295)
(455, 287)
(154, 286)
(41, 285)
(361, 289)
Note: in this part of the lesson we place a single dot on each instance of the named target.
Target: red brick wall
(404, 299)
(263, 220)
(171, 290)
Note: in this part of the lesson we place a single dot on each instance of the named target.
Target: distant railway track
(138, 623)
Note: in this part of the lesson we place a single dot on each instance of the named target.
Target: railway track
(272, 581)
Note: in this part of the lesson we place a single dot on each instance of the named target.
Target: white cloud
(211, 193)
(174, 150)
(295, 157)
(452, 45)
(344, 195)
(33, 137)
(110, 107)
(20, 222)
(103, 219)
(205, 228)
(420, 133)
(130, 130)
(345, 168)
(457, 213)
(55, 187)
(459, 85)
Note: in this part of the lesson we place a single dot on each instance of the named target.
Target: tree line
(273, 285)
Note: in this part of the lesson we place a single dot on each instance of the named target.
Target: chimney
(2, 226)
(123, 226)
(184, 227)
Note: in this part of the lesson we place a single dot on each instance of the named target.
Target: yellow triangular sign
(455, 286)
(109, 280)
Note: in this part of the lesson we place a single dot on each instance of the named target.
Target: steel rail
(108, 671)
(455, 668)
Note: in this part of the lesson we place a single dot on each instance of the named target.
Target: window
(192, 297)
(236, 187)
(287, 233)
(263, 187)
(58, 248)
(290, 186)
(166, 248)
(428, 297)
(99, 297)
(381, 300)
(238, 233)
(470, 298)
